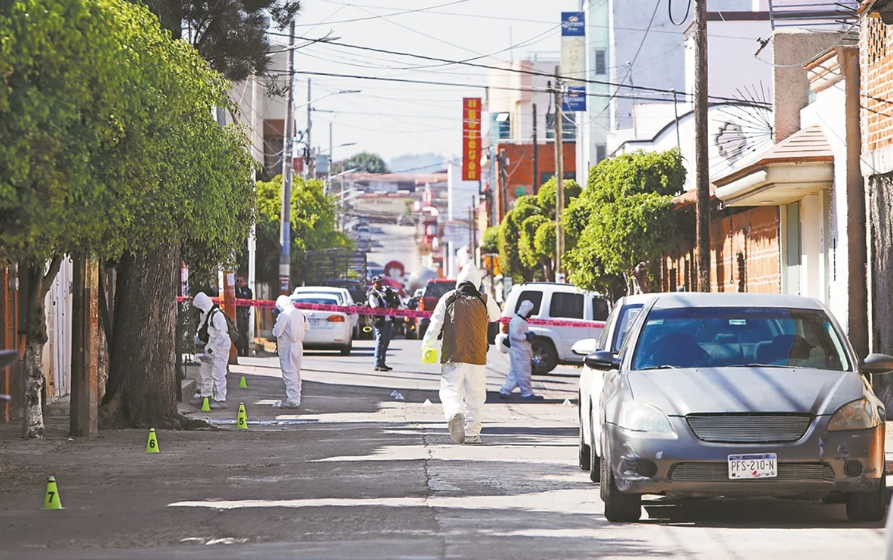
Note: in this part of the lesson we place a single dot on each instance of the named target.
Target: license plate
(754, 465)
(314, 322)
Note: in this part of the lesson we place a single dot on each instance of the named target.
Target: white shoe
(473, 440)
(291, 404)
(457, 427)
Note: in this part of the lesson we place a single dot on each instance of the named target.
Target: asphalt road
(356, 473)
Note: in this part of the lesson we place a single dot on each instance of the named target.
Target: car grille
(719, 472)
(749, 428)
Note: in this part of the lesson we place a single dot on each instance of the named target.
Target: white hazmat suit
(520, 353)
(212, 368)
(289, 330)
(463, 386)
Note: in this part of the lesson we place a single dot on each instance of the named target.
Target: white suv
(561, 302)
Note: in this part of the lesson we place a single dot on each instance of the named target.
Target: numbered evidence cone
(242, 422)
(242, 384)
(205, 406)
(52, 500)
(152, 444)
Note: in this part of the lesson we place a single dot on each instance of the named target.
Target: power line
(399, 13)
(511, 70)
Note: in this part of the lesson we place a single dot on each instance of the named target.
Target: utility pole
(676, 118)
(310, 167)
(331, 162)
(702, 176)
(536, 160)
(287, 157)
(559, 180)
(252, 237)
(500, 195)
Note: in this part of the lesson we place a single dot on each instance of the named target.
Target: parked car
(328, 329)
(564, 302)
(739, 395)
(434, 290)
(617, 326)
(344, 298)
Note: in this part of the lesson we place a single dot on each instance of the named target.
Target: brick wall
(876, 64)
(745, 253)
(520, 167)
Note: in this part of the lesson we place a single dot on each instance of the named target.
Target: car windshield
(320, 300)
(739, 337)
(335, 293)
(437, 289)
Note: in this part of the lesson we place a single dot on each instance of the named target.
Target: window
(568, 127)
(566, 306)
(546, 175)
(603, 339)
(627, 315)
(505, 125)
(599, 308)
(438, 289)
(536, 298)
(745, 337)
(601, 152)
(600, 66)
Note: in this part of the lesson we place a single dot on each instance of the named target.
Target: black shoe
(387, 368)
(379, 368)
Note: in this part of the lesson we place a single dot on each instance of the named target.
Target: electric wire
(670, 12)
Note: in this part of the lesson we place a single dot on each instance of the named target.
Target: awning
(799, 165)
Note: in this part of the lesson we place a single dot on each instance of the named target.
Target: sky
(393, 119)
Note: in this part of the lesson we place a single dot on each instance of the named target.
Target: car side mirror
(602, 360)
(584, 347)
(878, 363)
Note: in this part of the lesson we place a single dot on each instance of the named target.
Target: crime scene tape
(373, 311)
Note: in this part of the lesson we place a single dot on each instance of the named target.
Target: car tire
(545, 358)
(347, 349)
(619, 506)
(868, 506)
(583, 448)
(595, 462)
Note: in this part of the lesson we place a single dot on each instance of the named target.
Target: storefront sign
(471, 139)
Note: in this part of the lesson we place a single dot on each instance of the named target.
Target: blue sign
(573, 24)
(574, 99)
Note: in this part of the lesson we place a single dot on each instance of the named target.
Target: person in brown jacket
(460, 319)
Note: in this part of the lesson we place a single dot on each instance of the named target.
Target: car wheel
(619, 507)
(583, 448)
(545, 358)
(868, 506)
(346, 350)
(595, 470)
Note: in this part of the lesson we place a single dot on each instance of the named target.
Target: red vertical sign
(471, 139)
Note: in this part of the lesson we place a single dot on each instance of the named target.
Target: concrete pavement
(355, 473)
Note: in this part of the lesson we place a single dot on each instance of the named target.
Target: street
(357, 473)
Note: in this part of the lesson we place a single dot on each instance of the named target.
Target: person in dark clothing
(242, 292)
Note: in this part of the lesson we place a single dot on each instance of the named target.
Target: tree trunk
(32, 427)
(141, 390)
(36, 336)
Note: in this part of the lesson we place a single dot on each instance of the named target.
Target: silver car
(740, 395)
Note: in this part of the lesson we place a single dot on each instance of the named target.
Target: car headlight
(856, 415)
(640, 417)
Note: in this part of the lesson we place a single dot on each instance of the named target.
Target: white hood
(525, 308)
(202, 302)
(471, 274)
(283, 303)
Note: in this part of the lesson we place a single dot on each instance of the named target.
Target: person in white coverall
(460, 320)
(213, 337)
(289, 330)
(520, 353)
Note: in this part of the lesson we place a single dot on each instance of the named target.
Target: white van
(562, 302)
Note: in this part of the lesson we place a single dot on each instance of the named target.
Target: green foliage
(526, 236)
(107, 141)
(490, 242)
(623, 218)
(312, 225)
(364, 162)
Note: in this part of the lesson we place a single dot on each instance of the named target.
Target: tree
(230, 34)
(490, 241)
(364, 162)
(108, 148)
(624, 218)
(312, 225)
(526, 237)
